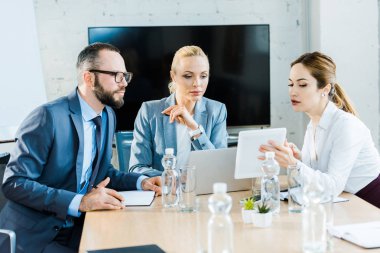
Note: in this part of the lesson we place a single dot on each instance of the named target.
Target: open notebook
(366, 235)
(137, 198)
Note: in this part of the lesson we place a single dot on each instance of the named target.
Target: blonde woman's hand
(181, 115)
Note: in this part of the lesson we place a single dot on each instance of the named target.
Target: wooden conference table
(177, 232)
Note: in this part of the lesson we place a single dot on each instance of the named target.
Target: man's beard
(106, 97)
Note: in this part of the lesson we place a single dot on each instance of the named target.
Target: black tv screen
(239, 66)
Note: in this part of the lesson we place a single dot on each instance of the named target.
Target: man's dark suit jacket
(44, 171)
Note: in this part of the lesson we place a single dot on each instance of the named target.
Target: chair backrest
(7, 237)
(4, 158)
(7, 241)
(123, 146)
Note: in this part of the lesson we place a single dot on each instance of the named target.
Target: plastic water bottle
(220, 226)
(270, 186)
(314, 234)
(170, 180)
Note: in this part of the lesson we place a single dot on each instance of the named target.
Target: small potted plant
(262, 216)
(248, 209)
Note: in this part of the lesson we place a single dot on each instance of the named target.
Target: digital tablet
(247, 163)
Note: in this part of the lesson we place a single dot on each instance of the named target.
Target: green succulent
(249, 203)
(263, 208)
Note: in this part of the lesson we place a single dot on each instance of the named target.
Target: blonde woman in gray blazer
(184, 121)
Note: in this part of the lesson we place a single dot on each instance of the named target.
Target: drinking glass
(295, 195)
(187, 185)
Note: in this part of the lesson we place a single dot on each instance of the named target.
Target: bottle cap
(169, 151)
(269, 155)
(220, 187)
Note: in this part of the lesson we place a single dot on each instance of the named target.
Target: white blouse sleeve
(345, 147)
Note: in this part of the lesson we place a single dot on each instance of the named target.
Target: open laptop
(216, 165)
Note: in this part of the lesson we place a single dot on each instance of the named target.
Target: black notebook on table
(151, 248)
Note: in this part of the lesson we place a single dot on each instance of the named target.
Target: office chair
(123, 147)
(7, 237)
(4, 158)
(7, 241)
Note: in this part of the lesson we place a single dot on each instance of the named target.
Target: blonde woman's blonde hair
(323, 68)
(186, 51)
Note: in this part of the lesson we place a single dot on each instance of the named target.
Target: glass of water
(187, 184)
(295, 195)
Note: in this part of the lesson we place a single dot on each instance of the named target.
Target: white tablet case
(247, 163)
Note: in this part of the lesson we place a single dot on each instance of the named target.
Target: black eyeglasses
(118, 75)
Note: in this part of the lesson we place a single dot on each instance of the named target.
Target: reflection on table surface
(177, 232)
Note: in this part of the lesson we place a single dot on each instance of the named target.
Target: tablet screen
(247, 163)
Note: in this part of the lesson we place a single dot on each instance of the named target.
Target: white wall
(296, 26)
(21, 83)
(62, 28)
(348, 31)
(378, 28)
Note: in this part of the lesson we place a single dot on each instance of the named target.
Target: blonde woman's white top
(341, 153)
(183, 144)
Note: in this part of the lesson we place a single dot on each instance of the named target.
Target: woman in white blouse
(338, 149)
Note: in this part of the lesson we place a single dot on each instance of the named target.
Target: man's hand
(152, 184)
(101, 197)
